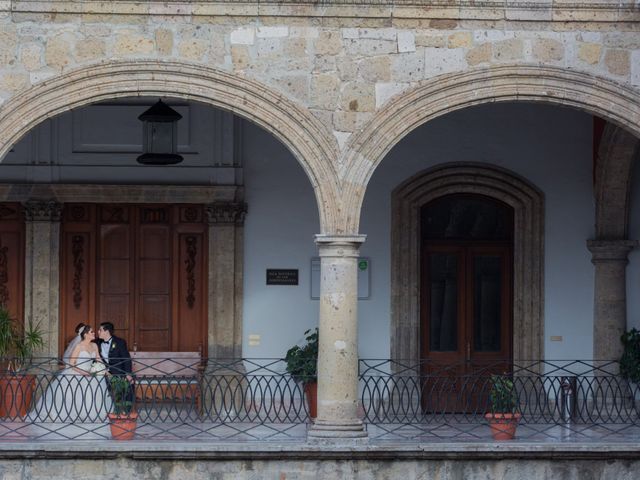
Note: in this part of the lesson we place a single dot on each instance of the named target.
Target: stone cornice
(70, 193)
(546, 11)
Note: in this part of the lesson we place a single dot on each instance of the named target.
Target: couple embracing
(81, 393)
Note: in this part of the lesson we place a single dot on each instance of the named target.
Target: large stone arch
(310, 142)
(616, 155)
(528, 251)
(617, 103)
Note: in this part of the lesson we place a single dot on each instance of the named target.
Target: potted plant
(302, 365)
(502, 418)
(17, 344)
(630, 361)
(123, 419)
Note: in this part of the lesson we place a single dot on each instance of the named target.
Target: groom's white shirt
(104, 348)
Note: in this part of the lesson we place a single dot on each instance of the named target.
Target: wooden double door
(466, 305)
(142, 268)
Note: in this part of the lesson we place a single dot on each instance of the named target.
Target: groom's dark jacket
(119, 361)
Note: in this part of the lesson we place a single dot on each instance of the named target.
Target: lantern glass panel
(161, 137)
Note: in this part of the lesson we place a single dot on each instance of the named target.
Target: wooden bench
(167, 377)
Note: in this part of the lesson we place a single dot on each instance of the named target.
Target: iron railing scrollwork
(256, 400)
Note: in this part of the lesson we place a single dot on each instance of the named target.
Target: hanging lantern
(160, 135)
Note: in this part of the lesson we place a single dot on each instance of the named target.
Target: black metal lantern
(160, 135)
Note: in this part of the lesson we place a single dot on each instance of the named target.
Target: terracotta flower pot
(16, 395)
(503, 425)
(123, 427)
(311, 394)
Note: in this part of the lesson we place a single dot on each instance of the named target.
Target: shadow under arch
(616, 103)
(313, 146)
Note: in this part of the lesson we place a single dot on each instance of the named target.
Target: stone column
(610, 300)
(42, 270)
(225, 279)
(338, 340)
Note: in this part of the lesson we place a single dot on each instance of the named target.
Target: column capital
(42, 211)
(339, 245)
(225, 213)
(610, 250)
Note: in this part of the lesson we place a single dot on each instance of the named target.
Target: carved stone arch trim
(616, 155)
(311, 143)
(528, 251)
(617, 103)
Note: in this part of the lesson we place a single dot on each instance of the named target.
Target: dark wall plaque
(282, 276)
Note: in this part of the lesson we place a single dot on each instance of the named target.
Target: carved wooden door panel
(116, 269)
(190, 274)
(153, 292)
(12, 259)
(141, 267)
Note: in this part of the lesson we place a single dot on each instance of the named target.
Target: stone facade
(338, 84)
(344, 73)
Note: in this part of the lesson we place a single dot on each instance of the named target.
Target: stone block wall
(342, 62)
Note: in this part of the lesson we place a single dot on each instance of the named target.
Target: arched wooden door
(466, 299)
(141, 267)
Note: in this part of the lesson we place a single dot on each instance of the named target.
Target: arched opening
(160, 250)
(520, 246)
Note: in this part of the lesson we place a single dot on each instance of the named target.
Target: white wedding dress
(73, 397)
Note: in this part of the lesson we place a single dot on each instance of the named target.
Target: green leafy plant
(18, 342)
(119, 391)
(502, 396)
(630, 360)
(302, 362)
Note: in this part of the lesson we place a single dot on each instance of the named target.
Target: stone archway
(528, 251)
(311, 143)
(313, 146)
(618, 104)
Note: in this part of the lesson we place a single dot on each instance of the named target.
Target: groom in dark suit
(115, 354)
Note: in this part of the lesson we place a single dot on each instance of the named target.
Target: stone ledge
(595, 11)
(139, 450)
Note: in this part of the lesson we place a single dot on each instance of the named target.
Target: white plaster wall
(633, 269)
(549, 146)
(279, 233)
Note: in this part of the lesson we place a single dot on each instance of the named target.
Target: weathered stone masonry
(338, 84)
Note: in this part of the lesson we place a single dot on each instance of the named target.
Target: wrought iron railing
(256, 400)
(179, 398)
(555, 400)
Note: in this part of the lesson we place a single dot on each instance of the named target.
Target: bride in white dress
(76, 395)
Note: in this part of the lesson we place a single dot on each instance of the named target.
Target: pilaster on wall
(226, 239)
(610, 258)
(610, 249)
(42, 269)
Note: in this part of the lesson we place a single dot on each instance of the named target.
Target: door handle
(468, 351)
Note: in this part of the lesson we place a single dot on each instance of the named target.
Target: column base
(330, 432)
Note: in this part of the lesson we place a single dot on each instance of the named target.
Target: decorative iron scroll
(192, 243)
(77, 250)
(4, 275)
